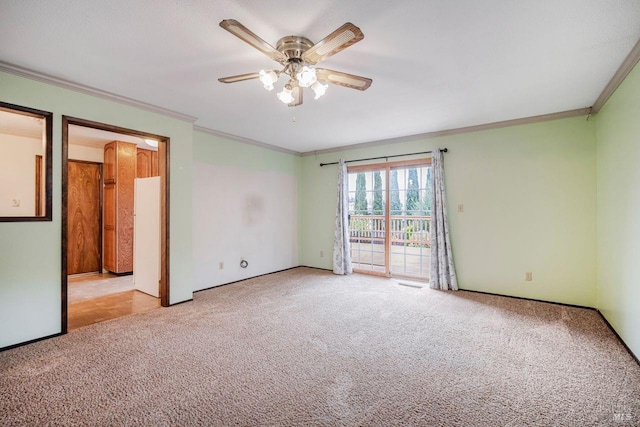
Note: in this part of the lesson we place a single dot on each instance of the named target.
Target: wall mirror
(25, 163)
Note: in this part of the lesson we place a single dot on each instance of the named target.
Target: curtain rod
(444, 150)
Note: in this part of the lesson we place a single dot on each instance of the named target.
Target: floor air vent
(410, 285)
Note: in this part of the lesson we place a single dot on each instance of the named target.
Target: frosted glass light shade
(268, 78)
(286, 96)
(306, 76)
(319, 89)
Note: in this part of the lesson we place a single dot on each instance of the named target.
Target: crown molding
(495, 125)
(625, 68)
(632, 59)
(88, 90)
(245, 140)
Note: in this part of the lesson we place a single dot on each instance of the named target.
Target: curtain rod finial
(444, 150)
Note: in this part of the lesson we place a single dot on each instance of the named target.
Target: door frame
(386, 167)
(101, 201)
(163, 171)
(38, 185)
(378, 167)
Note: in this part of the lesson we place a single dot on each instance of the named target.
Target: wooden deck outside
(404, 260)
(410, 254)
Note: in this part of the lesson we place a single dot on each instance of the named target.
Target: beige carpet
(307, 348)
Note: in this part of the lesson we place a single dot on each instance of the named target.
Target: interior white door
(146, 236)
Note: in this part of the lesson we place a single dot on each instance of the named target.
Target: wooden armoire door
(84, 245)
(119, 178)
(143, 163)
(146, 163)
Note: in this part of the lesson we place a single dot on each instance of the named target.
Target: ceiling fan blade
(339, 40)
(246, 35)
(239, 78)
(296, 91)
(343, 79)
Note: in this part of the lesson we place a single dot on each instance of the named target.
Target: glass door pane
(367, 220)
(410, 221)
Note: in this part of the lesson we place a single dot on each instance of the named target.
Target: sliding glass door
(390, 218)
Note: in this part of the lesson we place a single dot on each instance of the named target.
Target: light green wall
(30, 267)
(529, 205)
(217, 150)
(618, 136)
(212, 149)
(529, 195)
(245, 206)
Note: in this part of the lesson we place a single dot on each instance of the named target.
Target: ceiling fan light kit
(298, 55)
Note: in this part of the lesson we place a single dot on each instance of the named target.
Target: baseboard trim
(30, 342)
(317, 268)
(633, 355)
(246, 278)
(178, 303)
(530, 299)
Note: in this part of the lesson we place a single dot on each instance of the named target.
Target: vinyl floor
(98, 297)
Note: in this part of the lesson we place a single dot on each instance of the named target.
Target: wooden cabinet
(154, 164)
(147, 163)
(119, 174)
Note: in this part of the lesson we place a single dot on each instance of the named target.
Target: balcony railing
(404, 230)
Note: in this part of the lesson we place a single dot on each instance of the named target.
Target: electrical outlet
(528, 276)
(16, 203)
(221, 265)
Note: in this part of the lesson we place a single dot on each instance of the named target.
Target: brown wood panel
(109, 237)
(120, 161)
(126, 175)
(110, 162)
(154, 164)
(110, 206)
(83, 216)
(143, 163)
(109, 227)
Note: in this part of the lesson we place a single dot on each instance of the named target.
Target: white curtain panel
(443, 273)
(341, 247)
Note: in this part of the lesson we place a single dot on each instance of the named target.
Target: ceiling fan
(298, 55)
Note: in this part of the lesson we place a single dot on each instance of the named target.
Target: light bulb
(286, 96)
(319, 89)
(268, 78)
(306, 76)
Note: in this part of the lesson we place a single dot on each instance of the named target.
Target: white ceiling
(90, 137)
(435, 64)
(21, 125)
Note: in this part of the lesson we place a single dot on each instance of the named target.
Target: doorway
(90, 287)
(390, 218)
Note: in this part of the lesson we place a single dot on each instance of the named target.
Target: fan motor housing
(293, 46)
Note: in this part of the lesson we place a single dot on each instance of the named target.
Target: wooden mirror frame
(48, 174)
